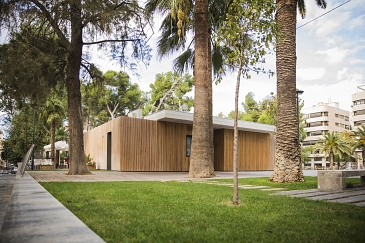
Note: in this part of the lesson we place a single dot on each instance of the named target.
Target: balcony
(358, 107)
(316, 138)
(317, 119)
(358, 118)
(313, 129)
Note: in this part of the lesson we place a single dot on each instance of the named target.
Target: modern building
(358, 106)
(319, 120)
(162, 142)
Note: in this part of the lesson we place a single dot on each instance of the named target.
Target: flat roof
(218, 122)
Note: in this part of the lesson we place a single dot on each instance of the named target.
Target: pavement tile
(352, 199)
(295, 192)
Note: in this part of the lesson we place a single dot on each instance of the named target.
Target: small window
(188, 145)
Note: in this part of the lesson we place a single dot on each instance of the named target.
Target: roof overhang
(218, 122)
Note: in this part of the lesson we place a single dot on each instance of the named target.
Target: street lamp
(298, 92)
(34, 106)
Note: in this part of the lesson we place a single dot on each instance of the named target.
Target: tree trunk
(287, 155)
(331, 160)
(53, 138)
(201, 160)
(235, 141)
(76, 140)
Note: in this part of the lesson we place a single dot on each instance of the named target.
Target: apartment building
(358, 107)
(320, 119)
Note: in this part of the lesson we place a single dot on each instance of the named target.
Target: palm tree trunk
(331, 160)
(76, 140)
(287, 155)
(201, 160)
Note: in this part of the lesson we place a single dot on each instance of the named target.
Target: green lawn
(198, 212)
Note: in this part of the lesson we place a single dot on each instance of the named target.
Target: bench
(335, 179)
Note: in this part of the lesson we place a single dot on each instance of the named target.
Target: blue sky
(330, 60)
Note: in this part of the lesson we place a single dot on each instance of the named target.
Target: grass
(198, 212)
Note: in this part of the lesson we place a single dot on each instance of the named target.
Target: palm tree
(359, 141)
(201, 160)
(54, 111)
(333, 144)
(178, 22)
(287, 155)
(181, 18)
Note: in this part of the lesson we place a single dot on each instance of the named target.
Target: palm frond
(301, 8)
(184, 62)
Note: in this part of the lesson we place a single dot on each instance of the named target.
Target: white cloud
(357, 22)
(341, 73)
(334, 55)
(311, 73)
(338, 92)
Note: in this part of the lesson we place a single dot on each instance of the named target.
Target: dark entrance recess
(109, 152)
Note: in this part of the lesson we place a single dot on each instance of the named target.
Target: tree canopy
(169, 92)
(75, 24)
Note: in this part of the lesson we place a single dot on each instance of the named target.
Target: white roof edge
(218, 122)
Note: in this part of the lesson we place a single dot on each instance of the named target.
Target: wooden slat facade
(146, 145)
(256, 151)
(140, 145)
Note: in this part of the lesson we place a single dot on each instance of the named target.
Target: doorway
(109, 151)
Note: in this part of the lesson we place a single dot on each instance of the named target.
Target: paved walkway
(354, 196)
(34, 215)
(61, 175)
(28, 213)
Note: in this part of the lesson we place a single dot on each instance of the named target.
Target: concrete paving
(34, 215)
(6, 189)
(354, 196)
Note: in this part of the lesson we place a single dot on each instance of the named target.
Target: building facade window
(360, 112)
(317, 124)
(359, 102)
(188, 145)
(359, 123)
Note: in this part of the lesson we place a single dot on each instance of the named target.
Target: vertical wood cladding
(255, 151)
(145, 145)
(140, 145)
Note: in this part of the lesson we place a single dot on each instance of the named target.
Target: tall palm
(201, 160)
(54, 111)
(333, 144)
(287, 152)
(178, 25)
(184, 16)
(359, 141)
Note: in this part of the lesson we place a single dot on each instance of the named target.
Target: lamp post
(298, 92)
(34, 106)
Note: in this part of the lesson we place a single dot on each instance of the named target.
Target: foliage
(188, 212)
(177, 32)
(247, 33)
(20, 133)
(118, 27)
(169, 92)
(110, 96)
(18, 79)
(359, 139)
(89, 160)
(333, 144)
(305, 151)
